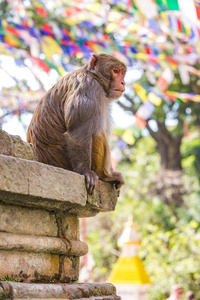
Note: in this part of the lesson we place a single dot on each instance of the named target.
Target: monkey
(71, 125)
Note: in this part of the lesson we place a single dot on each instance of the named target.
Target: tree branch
(127, 108)
(153, 134)
(129, 99)
(164, 133)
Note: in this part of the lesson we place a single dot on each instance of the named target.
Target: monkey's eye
(115, 70)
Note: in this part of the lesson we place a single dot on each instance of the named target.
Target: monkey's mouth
(117, 90)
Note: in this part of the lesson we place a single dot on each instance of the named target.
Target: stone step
(74, 291)
(91, 298)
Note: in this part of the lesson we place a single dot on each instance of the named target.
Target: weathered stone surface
(6, 291)
(13, 145)
(38, 267)
(23, 220)
(28, 243)
(104, 197)
(5, 143)
(70, 226)
(13, 175)
(22, 149)
(55, 183)
(39, 227)
(33, 184)
(26, 266)
(70, 269)
(103, 291)
(28, 235)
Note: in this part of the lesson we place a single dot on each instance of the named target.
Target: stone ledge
(13, 145)
(14, 290)
(42, 244)
(33, 184)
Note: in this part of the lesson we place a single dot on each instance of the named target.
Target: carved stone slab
(30, 183)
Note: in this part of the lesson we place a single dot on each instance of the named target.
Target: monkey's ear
(93, 61)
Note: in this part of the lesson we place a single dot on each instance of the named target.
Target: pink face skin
(118, 84)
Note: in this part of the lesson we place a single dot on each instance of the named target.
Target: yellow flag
(143, 56)
(12, 40)
(188, 30)
(61, 70)
(196, 98)
(154, 99)
(3, 50)
(111, 27)
(50, 47)
(70, 21)
(128, 137)
(140, 91)
(164, 17)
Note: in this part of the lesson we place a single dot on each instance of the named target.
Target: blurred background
(156, 124)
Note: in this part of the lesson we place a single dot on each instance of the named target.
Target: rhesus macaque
(70, 127)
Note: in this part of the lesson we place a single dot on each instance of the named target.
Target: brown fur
(71, 124)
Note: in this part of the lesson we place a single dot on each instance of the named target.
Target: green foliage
(170, 235)
(102, 243)
(4, 9)
(190, 149)
(9, 278)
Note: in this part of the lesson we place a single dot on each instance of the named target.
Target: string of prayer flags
(183, 96)
(116, 157)
(50, 46)
(171, 4)
(128, 137)
(192, 70)
(40, 63)
(153, 98)
(143, 38)
(165, 78)
(116, 153)
(143, 113)
(148, 8)
(121, 144)
(183, 72)
(140, 91)
(139, 122)
(197, 7)
(114, 162)
(40, 10)
(188, 11)
(169, 96)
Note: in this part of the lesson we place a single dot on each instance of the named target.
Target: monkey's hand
(118, 181)
(91, 179)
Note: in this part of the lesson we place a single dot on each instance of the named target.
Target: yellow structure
(128, 274)
(129, 270)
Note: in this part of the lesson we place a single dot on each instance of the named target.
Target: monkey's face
(117, 86)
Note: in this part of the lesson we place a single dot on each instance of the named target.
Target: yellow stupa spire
(129, 268)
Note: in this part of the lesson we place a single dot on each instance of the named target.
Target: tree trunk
(168, 183)
(170, 154)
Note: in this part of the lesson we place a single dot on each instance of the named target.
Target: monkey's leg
(101, 162)
(79, 153)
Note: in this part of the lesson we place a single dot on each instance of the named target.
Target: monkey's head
(110, 73)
